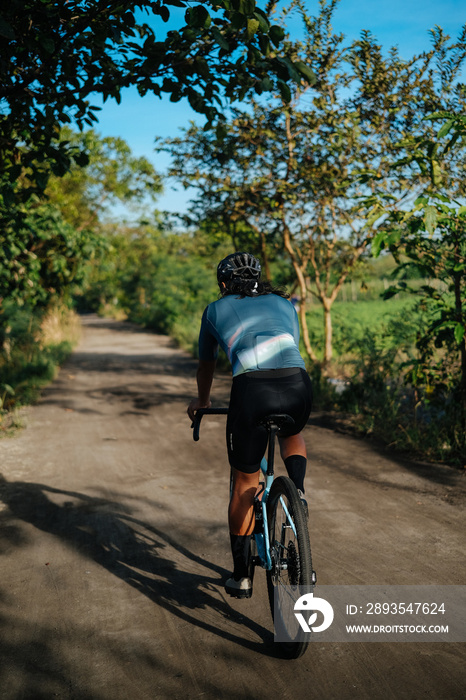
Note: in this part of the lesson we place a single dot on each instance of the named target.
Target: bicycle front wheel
(291, 571)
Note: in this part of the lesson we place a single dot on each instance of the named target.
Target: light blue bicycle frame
(262, 538)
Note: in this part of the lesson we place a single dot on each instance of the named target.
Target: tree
(45, 250)
(41, 260)
(431, 237)
(57, 54)
(296, 170)
(112, 175)
(159, 279)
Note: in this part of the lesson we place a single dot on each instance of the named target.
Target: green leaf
(251, 28)
(237, 20)
(164, 13)
(266, 84)
(47, 43)
(196, 101)
(6, 30)
(437, 115)
(292, 72)
(262, 19)
(378, 243)
(459, 333)
(445, 128)
(285, 91)
(246, 7)
(307, 72)
(221, 131)
(430, 219)
(436, 172)
(198, 17)
(81, 158)
(276, 34)
(220, 39)
(390, 292)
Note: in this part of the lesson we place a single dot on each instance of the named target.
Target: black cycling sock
(240, 550)
(296, 468)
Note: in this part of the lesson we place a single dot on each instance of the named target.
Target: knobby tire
(294, 550)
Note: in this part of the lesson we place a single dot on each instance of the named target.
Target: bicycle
(281, 539)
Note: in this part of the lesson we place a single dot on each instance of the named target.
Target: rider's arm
(208, 351)
(205, 376)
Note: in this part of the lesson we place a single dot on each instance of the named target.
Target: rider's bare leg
(241, 508)
(241, 522)
(293, 445)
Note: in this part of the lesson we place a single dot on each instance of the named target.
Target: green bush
(397, 405)
(33, 345)
(170, 291)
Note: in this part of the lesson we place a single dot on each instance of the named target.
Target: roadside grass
(378, 385)
(32, 353)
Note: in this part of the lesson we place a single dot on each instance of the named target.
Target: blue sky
(404, 23)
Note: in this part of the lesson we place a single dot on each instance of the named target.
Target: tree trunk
(305, 331)
(265, 257)
(463, 390)
(328, 352)
(460, 317)
(303, 292)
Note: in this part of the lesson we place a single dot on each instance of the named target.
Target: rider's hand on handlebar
(195, 405)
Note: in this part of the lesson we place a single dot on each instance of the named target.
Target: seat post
(272, 430)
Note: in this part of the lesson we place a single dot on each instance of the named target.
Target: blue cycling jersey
(256, 333)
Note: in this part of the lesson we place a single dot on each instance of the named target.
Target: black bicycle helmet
(238, 265)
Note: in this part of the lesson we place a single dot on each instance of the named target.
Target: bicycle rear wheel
(291, 564)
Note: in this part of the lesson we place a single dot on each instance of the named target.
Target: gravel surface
(114, 545)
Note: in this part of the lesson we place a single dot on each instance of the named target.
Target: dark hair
(251, 288)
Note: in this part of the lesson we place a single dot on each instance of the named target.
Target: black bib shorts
(254, 395)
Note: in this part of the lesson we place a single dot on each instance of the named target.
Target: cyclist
(258, 328)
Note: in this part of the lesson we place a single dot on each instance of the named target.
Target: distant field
(390, 320)
(351, 320)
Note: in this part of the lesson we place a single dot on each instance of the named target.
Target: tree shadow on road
(92, 320)
(430, 474)
(138, 553)
(134, 399)
(139, 364)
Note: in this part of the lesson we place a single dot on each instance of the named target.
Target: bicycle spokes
(291, 570)
(285, 557)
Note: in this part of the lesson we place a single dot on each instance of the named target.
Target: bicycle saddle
(277, 420)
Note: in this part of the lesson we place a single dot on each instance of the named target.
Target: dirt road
(114, 546)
